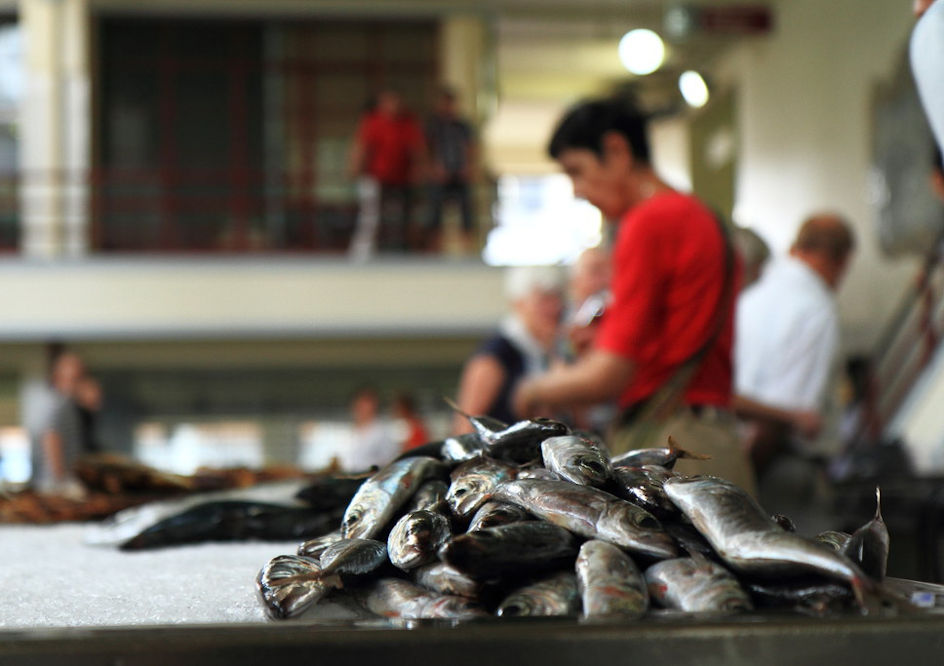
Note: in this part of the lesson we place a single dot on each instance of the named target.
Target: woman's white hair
(520, 281)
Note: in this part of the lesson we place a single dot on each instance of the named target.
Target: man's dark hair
(585, 125)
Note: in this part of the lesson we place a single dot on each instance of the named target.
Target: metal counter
(733, 642)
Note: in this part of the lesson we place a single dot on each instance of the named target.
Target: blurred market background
(174, 205)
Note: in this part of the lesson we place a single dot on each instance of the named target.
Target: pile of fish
(535, 520)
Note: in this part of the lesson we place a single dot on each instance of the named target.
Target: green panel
(714, 152)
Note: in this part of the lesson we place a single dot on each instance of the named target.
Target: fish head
(633, 527)
(360, 519)
(453, 607)
(419, 529)
(593, 469)
(467, 493)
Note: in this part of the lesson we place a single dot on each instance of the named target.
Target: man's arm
(52, 454)
(599, 376)
(479, 386)
(806, 422)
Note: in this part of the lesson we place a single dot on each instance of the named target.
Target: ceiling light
(641, 51)
(693, 88)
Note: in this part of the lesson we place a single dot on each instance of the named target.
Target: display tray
(732, 642)
(66, 602)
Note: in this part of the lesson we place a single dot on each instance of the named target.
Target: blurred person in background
(452, 157)
(927, 62)
(55, 427)
(522, 347)
(754, 253)
(88, 400)
(386, 157)
(411, 430)
(663, 350)
(787, 341)
(373, 443)
(589, 295)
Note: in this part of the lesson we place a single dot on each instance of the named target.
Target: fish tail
(290, 584)
(878, 503)
(682, 453)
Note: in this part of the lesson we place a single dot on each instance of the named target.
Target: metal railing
(906, 347)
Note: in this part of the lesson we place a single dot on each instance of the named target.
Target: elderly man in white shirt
(787, 338)
(927, 62)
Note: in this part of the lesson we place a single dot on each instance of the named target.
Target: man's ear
(616, 147)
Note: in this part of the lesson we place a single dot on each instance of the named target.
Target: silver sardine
(493, 514)
(696, 585)
(462, 447)
(577, 460)
(609, 582)
(553, 596)
(749, 541)
(473, 482)
(289, 585)
(663, 457)
(353, 556)
(431, 496)
(591, 513)
(510, 549)
(444, 579)
(381, 496)
(643, 486)
(395, 598)
(416, 538)
(868, 545)
(313, 548)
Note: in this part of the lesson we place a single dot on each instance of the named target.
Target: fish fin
(700, 560)
(290, 584)
(682, 453)
(452, 403)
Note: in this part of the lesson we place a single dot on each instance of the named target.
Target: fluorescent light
(641, 51)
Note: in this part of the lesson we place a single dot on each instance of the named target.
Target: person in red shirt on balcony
(663, 350)
(386, 157)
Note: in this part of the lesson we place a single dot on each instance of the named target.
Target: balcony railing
(202, 210)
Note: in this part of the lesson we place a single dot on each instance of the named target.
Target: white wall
(804, 96)
(244, 298)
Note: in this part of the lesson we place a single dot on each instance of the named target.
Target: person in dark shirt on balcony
(452, 155)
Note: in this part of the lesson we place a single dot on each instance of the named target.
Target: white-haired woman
(522, 345)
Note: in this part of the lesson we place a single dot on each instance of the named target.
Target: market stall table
(66, 601)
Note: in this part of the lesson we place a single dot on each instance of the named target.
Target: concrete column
(77, 122)
(463, 41)
(54, 122)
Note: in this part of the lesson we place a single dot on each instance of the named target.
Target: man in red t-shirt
(670, 321)
(386, 155)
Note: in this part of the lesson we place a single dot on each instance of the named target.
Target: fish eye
(648, 522)
(513, 610)
(460, 492)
